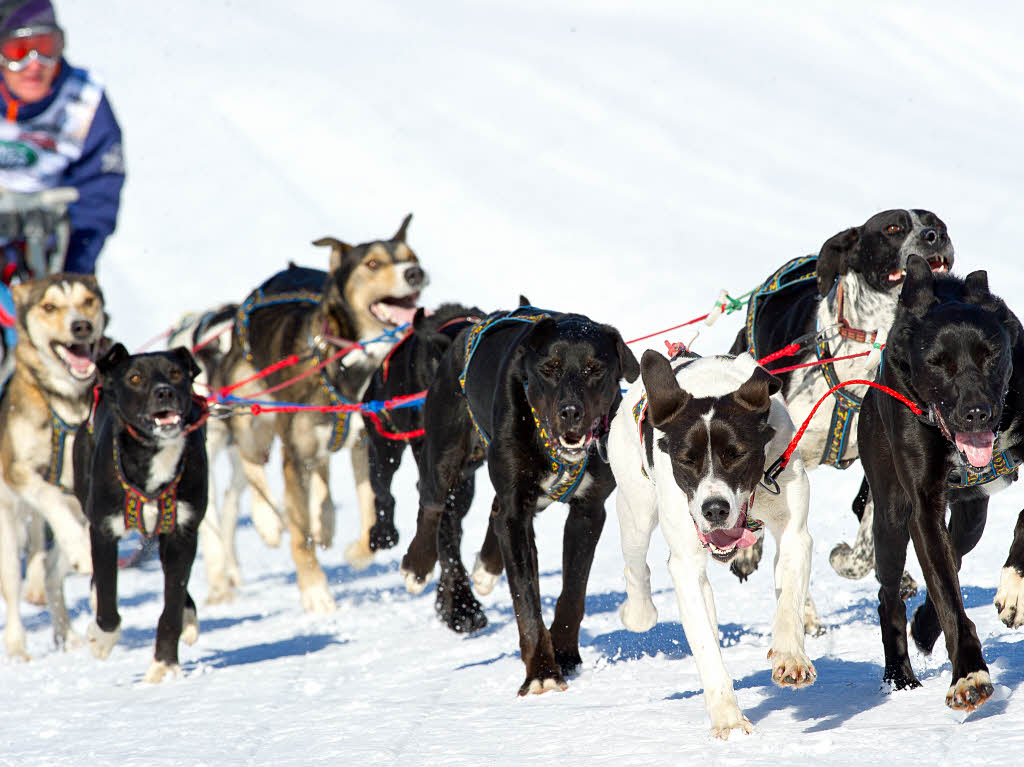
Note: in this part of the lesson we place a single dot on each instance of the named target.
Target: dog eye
(593, 370)
(373, 264)
(49, 308)
(892, 228)
(135, 379)
(89, 302)
(175, 375)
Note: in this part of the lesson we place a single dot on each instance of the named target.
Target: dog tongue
(734, 537)
(79, 363)
(977, 446)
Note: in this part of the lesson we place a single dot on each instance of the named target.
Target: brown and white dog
(61, 321)
(370, 290)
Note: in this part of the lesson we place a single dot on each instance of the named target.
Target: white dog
(689, 447)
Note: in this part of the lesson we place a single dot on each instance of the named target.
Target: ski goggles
(23, 46)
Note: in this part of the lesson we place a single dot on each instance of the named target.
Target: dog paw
(81, 559)
(189, 626)
(72, 640)
(458, 608)
(234, 576)
(969, 692)
(358, 555)
(726, 717)
(415, 584)
(638, 615)
(101, 642)
(158, 670)
(35, 581)
(569, 662)
(219, 594)
(812, 623)
(745, 561)
(541, 686)
(383, 535)
(1009, 599)
(317, 599)
(848, 564)
(483, 580)
(267, 523)
(792, 669)
(15, 643)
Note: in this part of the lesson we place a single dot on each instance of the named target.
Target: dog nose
(164, 394)
(81, 328)
(414, 275)
(930, 235)
(571, 415)
(715, 510)
(977, 417)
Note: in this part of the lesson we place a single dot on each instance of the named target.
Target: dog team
(97, 443)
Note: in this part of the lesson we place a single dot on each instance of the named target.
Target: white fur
(644, 503)
(1009, 598)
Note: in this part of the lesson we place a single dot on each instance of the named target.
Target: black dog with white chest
(534, 391)
(957, 351)
(140, 464)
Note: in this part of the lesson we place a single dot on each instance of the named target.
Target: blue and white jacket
(69, 138)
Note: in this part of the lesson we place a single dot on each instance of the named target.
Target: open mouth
(938, 264)
(77, 358)
(573, 446)
(723, 543)
(395, 311)
(976, 447)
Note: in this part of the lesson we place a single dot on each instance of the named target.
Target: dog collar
(568, 474)
(134, 500)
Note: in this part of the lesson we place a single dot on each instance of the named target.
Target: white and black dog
(841, 302)
(140, 464)
(689, 447)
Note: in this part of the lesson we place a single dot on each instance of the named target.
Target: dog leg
(35, 569)
(582, 530)
(514, 529)
(189, 621)
(177, 553)
(1009, 599)
(105, 629)
(321, 505)
(385, 457)
(687, 565)
(359, 554)
(857, 561)
(966, 524)
(10, 582)
(211, 531)
(265, 517)
(311, 578)
(455, 603)
(418, 563)
(892, 611)
(487, 567)
(637, 521)
(56, 568)
(745, 562)
(787, 521)
(62, 512)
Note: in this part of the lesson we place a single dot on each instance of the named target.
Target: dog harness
(59, 433)
(799, 271)
(639, 414)
(568, 475)
(134, 500)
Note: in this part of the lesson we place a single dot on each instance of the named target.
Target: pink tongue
(80, 364)
(167, 420)
(977, 446)
(895, 276)
(734, 537)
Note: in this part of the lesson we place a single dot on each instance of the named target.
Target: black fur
(568, 368)
(409, 368)
(134, 389)
(958, 349)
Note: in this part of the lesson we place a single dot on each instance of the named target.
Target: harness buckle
(771, 475)
(220, 409)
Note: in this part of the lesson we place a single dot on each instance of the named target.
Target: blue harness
(568, 475)
(799, 271)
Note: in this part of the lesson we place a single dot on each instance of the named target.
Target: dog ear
(627, 362)
(187, 361)
(541, 333)
(112, 358)
(524, 301)
(665, 399)
(417, 319)
(918, 291)
(338, 249)
(400, 234)
(832, 258)
(756, 392)
(977, 286)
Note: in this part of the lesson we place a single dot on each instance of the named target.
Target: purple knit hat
(17, 14)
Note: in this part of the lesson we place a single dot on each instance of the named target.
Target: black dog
(957, 351)
(140, 464)
(409, 367)
(846, 295)
(536, 389)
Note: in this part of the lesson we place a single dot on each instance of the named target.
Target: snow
(625, 160)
